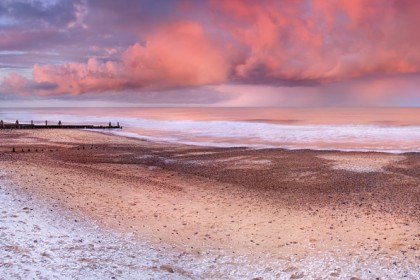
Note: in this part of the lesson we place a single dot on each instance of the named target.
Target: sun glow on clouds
(256, 53)
(177, 55)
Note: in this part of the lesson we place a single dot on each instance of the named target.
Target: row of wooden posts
(59, 125)
(28, 150)
(15, 150)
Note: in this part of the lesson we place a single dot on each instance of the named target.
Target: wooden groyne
(59, 125)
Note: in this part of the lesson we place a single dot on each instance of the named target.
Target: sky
(209, 53)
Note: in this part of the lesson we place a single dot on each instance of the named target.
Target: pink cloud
(15, 82)
(179, 54)
(287, 43)
(323, 40)
(176, 55)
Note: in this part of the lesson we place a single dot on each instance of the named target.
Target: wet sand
(272, 213)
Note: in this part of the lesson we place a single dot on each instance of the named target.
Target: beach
(194, 212)
(258, 140)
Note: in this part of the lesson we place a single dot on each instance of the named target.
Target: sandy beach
(187, 212)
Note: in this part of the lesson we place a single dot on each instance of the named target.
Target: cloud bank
(353, 47)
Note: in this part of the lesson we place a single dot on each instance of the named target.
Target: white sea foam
(346, 137)
(394, 139)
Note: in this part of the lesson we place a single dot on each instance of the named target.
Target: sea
(392, 130)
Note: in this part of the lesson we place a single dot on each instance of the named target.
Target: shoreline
(210, 145)
(283, 206)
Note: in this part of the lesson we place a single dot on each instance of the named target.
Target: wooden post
(109, 124)
(46, 123)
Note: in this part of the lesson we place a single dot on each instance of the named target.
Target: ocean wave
(228, 133)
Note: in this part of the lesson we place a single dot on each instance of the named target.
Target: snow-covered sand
(39, 241)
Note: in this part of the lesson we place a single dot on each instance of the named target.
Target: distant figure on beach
(109, 124)
(17, 122)
(59, 123)
(46, 123)
(1, 123)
